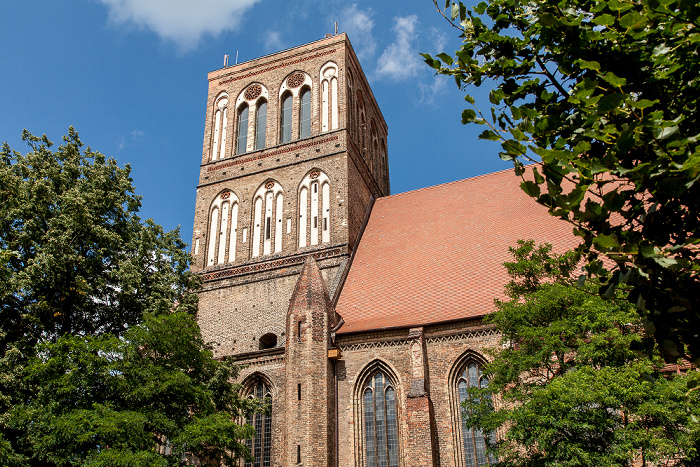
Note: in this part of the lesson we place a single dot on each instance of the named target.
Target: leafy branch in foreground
(566, 387)
(603, 97)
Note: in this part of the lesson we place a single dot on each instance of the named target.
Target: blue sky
(131, 77)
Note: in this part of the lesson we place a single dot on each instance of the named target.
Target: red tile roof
(436, 254)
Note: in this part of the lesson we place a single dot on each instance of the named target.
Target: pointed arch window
(260, 446)
(329, 97)
(260, 124)
(242, 131)
(473, 441)
(223, 229)
(220, 124)
(314, 209)
(268, 211)
(305, 113)
(286, 121)
(379, 422)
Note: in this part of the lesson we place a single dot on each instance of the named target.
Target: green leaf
(468, 116)
(606, 242)
(643, 103)
(586, 65)
(662, 133)
(531, 188)
(613, 79)
(455, 11)
(610, 102)
(633, 20)
(603, 20)
(489, 135)
(445, 58)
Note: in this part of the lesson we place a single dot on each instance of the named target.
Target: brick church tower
(294, 154)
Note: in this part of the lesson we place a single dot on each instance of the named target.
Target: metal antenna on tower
(236, 57)
(225, 60)
(336, 28)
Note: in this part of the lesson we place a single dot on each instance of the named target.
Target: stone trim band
(281, 65)
(269, 265)
(296, 147)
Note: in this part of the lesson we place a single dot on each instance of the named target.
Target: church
(356, 312)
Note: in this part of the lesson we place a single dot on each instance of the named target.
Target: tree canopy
(602, 95)
(565, 388)
(101, 359)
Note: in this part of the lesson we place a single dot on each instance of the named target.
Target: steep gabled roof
(436, 254)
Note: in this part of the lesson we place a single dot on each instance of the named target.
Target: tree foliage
(108, 401)
(101, 359)
(567, 388)
(603, 96)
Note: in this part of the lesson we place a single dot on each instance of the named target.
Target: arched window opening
(256, 226)
(473, 441)
(329, 97)
(314, 209)
(223, 218)
(267, 220)
(260, 124)
(286, 121)
(303, 203)
(260, 446)
(379, 422)
(214, 222)
(220, 124)
(305, 113)
(268, 341)
(242, 139)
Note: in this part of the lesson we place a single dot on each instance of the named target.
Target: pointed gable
(311, 297)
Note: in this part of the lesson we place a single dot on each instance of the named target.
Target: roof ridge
(446, 183)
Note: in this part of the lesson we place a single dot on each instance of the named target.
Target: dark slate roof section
(436, 254)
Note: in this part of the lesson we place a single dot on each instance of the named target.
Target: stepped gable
(436, 254)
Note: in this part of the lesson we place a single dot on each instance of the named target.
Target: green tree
(108, 401)
(567, 388)
(101, 359)
(603, 96)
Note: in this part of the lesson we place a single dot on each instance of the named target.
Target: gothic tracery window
(305, 113)
(268, 211)
(223, 228)
(314, 209)
(260, 446)
(242, 132)
(286, 120)
(220, 124)
(329, 97)
(379, 421)
(473, 441)
(260, 124)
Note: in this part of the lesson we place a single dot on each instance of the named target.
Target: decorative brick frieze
(287, 148)
(276, 67)
(267, 265)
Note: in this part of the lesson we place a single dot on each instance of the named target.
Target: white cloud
(273, 41)
(358, 25)
(181, 21)
(428, 90)
(400, 60)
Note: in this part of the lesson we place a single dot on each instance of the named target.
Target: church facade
(358, 313)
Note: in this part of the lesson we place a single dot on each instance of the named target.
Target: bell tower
(294, 153)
